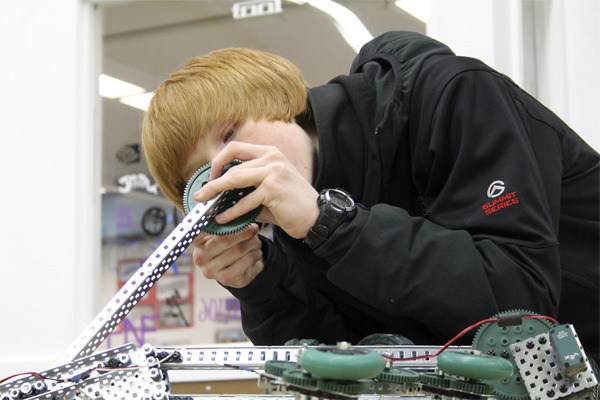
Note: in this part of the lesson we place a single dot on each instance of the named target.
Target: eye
(228, 133)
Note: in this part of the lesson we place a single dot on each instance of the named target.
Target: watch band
(335, 206)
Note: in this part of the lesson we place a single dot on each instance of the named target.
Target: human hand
(233, 260)
(288, 198)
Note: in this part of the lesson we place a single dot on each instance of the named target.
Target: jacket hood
(400, 54)
(361, 117)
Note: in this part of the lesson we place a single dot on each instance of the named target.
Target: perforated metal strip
(211, 357)
(121, 373)
(54, 389)
(144, 278)
(137, 375)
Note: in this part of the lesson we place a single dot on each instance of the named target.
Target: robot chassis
(515, 355)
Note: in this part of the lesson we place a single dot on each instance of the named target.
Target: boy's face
(289, 138)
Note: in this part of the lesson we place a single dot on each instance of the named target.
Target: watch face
(335, 206)
(340, 198)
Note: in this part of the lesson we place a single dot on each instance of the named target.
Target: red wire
(553, 320)
(444, 347)
(28, 373)
(463, 332)
(37, 375)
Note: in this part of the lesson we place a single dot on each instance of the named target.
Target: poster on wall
(168, 304)
(174, 313)
(182, 307)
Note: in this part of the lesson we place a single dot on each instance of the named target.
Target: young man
(471, 197)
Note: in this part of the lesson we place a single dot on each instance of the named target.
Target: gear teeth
(474, 387)
(512, 396)
(435, 380)
(492, 339)
(399, 375)
(275, 367)
(296, 377)
(197, 181)
(487, 325)
(351, 388)
(455, 386)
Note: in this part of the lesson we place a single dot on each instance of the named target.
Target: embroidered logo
(495, 189)
(499, 200)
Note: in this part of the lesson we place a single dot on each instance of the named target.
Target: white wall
(569, 63)
(49, 176)
(551, 48)
(49, 148)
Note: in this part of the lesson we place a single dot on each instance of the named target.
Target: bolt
(558, 376)
(542, 340)
(563, 388)
(529, 345)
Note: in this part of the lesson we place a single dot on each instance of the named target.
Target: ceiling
(143, 41)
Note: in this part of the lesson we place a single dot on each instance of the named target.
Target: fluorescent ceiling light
(139, 101)
(347, 23)
(113, 88)
(417, 8)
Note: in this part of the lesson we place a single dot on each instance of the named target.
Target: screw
(542, 339)
(529, 345)
(558, 376)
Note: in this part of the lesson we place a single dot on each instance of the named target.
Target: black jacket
(420, 137)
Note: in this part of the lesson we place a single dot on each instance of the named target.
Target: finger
(243, 271)
(210, 246)
(236, 151)
(215, 186)
(236, 178)
(234, 253)
(249, 173)
(214, 269)
(246, 204)
(201, 239)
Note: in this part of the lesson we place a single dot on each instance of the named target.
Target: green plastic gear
(493, 339)
(474, 366)
(452, 386)
(399, 375)
(350, 388)
(300, 379)
(435, 381)
(197, 181)
(334, 362)
(471, 387)
(276, 367)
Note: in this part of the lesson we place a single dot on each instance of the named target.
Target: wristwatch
(335, 206)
